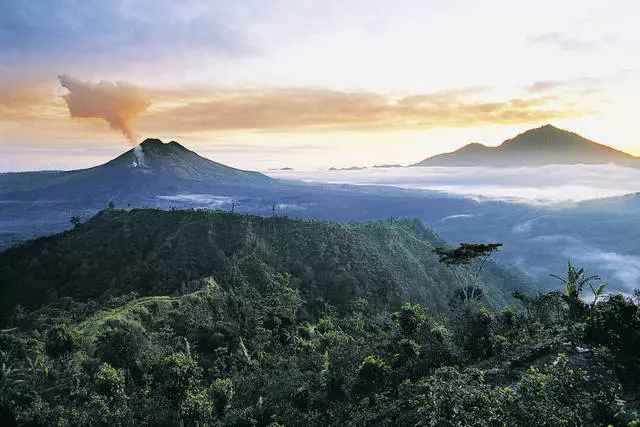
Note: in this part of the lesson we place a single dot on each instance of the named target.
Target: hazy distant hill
(156, 252)
(536, 147)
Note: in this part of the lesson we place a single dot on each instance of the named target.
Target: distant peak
(547, 129)
(474, 147)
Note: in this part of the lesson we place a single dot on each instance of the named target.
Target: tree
(121, 342)
(464, 255)
(558, 394)
(75, 220)
(222, 394)
(281, 304)
(597, 292)
(109, 403)
(409, 318)
(615, 323)
(449, 397)
(573, 284)
(575, 281)
(372, 376)
(182, 385)
(61, 340)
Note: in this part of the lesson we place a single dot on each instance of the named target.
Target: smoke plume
(119, 104)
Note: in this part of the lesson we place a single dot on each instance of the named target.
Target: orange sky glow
(357, 85)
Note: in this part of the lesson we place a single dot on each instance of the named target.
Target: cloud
(624, 267)
(544, 86)
(193, 109)
(578, 85)
(20, 95)
(456, 216)
(90, 28)
(541, 185)
(444, 97)
(297, 109)
(563, 42)
(119, 104)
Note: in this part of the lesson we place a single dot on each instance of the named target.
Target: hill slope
(535, 147)
(156, 252)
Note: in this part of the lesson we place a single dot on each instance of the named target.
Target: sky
(312, 84)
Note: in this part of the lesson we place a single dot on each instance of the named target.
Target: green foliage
(465, 253)
(615, 323)
(573, 284)
(60, 340)
(372, 375)
(557, 395)
(222, 394)
(468, 293)
(158, 252)
(75, 221)
(508, 316)
(281, 302)
(121, 342)
(110, 401)
(334, 343)
(182, 386)
(597, 293)
(410, 367)
(475, 327)
(450, 397)
(410, 317)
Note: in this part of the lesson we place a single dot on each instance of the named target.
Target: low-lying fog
(534, 185)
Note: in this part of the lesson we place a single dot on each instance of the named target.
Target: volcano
(545, 145)
(168, 168)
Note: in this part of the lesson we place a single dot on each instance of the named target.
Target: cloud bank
(532, 185)
(298, 109)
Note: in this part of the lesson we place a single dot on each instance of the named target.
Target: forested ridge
(149, 317)
(157, 252)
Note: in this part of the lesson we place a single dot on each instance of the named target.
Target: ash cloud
(118, 104)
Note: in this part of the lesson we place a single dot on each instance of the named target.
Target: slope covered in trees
(192, 318)
(237, 356)
(155, 252)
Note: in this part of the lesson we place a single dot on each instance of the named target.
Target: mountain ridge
(152, 251)
(540, 146)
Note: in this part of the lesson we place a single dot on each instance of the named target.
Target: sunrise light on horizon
(269, 84)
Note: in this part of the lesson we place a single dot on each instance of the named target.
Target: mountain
(154, 252)
(168, 168)
(33, 204)
(535, 147)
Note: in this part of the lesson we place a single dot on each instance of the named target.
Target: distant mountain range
(537, 240)
(536, 147)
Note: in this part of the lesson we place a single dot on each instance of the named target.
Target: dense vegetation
(222, 350)
(156, 252)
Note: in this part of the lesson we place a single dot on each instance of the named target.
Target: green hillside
(235, 356)
(198, 318)
(155, 252)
